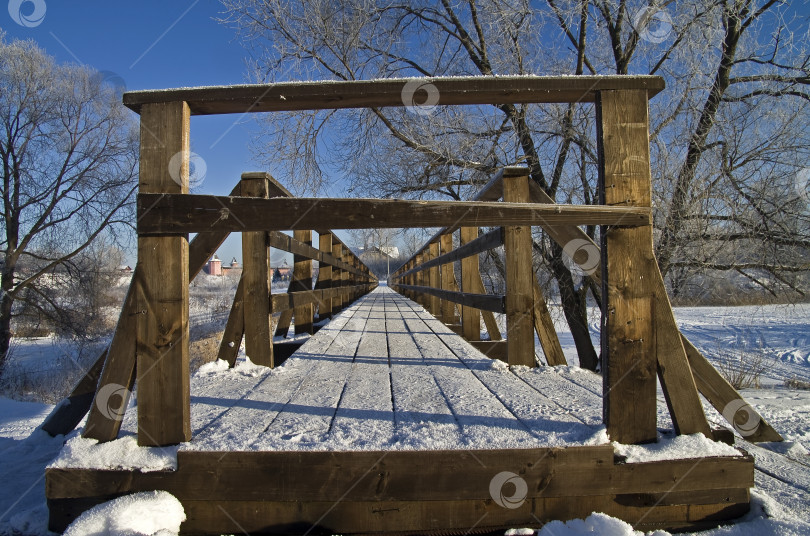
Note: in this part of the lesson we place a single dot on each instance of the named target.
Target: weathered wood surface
(487, 302)
(628, 336)
(470, 275)
(302, 282)
(324, 274)
(434, 281)
(448, 280)
(279, 240)
(319, 297)
(519, 300)
(162, 330)
(485, 242)
(544, 326)
(234, 327)
(172, 214)
(287, 96)
(257, 286)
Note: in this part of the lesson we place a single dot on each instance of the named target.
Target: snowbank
(675, 448)
(122, 453)
(151, 512)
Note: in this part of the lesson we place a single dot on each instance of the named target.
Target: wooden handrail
(323, 95)
(166, 214)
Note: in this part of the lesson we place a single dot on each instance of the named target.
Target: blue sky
(150, 45)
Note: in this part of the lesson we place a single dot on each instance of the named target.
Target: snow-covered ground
(780, 334)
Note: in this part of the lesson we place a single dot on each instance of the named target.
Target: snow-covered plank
(423, 418)
(483, 418)
(305, 419)
(551, 422)
(249, 413)
(365, 417)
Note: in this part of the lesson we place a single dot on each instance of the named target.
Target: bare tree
(728, 135)
(69, 162)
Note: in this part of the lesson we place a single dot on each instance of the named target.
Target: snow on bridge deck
(385, 374)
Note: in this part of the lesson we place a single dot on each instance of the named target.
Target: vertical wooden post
(257, 283)
(302, 281)
(344, 276)
(162, 329)
(519, 276)
(337, 276)
(420, 280)
(325, 275)
(470, 317)
(448, 307)
(628, 337)
(433, 278)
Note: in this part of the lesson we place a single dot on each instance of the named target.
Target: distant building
(214, 266)
(234, 270)
(282, 273)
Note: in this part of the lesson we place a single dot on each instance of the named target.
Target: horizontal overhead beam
(326, 95)
(160, 214)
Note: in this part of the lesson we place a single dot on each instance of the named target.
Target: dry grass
(794, 383)
(742, 368)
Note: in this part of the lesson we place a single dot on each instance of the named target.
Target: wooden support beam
(725, 399)
(302, 281)
(628, 337)
(279, 240)
(433, 281)
(286, 96)
(257, 286)
(544, 326)
(486, 302)
(489, 319)
(485, 242)
(470, 317)
(447, 280)
(172, 214)
(519, 277)
(285, 318)
(325, 275)
(234, 328)
(298, 299)
(162, 334)
(493, 349)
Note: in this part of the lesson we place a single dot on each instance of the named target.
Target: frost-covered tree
(69, 153)
(729, 135)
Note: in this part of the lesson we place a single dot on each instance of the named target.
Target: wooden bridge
(379, 422)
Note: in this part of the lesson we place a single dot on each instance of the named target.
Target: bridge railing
(640, 339)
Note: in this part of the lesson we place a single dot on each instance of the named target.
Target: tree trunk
(6, 301)
(575, 309)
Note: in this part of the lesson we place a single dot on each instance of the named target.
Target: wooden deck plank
(423, 419)
(269, 397)
(365, 415)
(307, 417)
(544, 418)
(483, 418)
